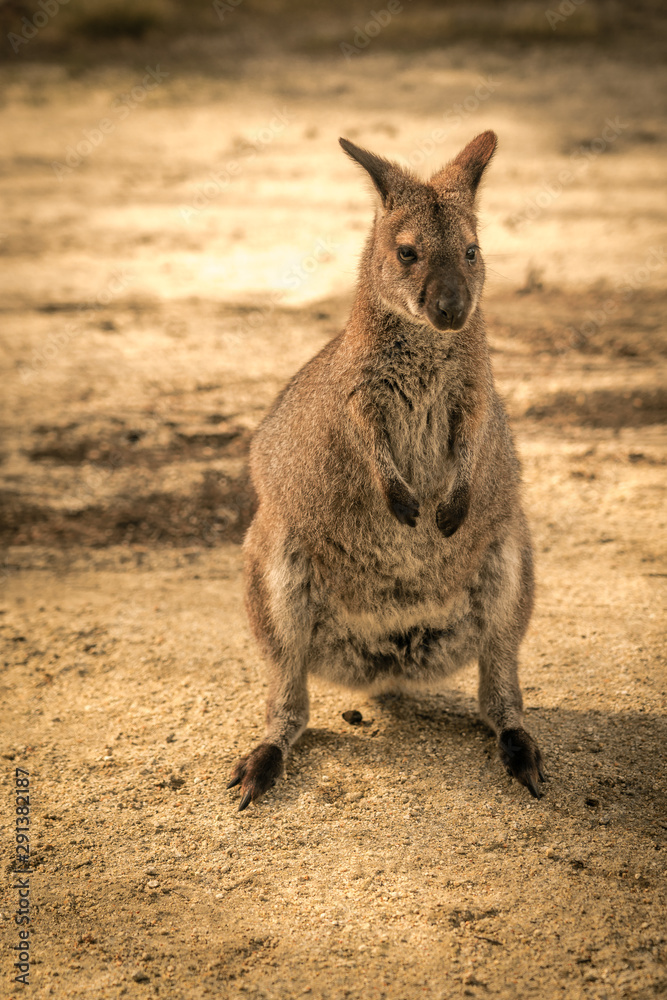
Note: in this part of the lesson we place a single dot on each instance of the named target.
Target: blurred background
(180, 229)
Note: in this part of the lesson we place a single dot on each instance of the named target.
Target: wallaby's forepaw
(450, 517)
(257, 772)
(406, 513)
(404, 504)
(522, 758)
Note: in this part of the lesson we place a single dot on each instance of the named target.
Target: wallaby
(389, 547)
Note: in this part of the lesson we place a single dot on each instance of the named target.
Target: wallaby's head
(423, 257)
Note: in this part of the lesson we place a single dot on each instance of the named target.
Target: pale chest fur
(419, 442)
(414, 390)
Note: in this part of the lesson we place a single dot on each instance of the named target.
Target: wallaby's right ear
(388, 178)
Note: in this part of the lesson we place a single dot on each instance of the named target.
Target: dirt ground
(155, 298)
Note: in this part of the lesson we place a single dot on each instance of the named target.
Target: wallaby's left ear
(465, 171)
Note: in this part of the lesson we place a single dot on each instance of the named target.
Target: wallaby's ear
(465, 171)
(389, 178)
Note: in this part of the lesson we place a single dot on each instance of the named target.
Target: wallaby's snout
(448, 306)
(446, 295)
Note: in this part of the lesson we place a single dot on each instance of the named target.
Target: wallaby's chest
(419, 438)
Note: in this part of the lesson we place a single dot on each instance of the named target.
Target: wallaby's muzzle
(448, 307)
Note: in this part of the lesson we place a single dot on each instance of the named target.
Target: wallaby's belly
(386, 612)
(403, 626)
(387, 647)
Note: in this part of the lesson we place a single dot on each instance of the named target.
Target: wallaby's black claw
(237, 773)
(522, 758)
(405, 513)
(532, 787)
(450, 519)
(257, 772)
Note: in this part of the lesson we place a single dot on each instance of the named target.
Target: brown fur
(389, 547)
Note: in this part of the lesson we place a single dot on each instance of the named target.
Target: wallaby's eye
(471, 252)
(407, 254)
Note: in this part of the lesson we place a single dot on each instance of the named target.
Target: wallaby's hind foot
(257, 772)
(522, 758)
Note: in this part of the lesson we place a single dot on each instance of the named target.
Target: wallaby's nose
(452, 309)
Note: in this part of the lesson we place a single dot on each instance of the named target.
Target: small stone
(550, 852)
(153, 884)
(141, 977)
(604, 820)
(471, 980)
(353, 717)
(151, 871)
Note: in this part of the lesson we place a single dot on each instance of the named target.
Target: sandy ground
(155, 298)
